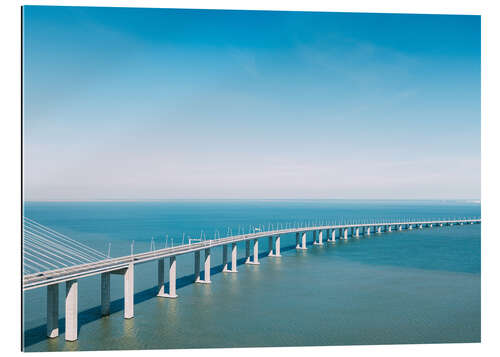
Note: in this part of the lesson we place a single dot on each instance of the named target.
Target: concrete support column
(420, 226)
(277, 252)
(197, 266)
(128, 282)
(304, 242)
(161, 277)
(410, 226)
(430, 225)
(71, 333)
(345, 232)
(247, 252)
(367, 230)
(400, 227)
(53, 310)
(389, 228)
(255, 245)
(206, 279)
(270, 247)
(297, 244)
(318, 237)
(332, 236)
(105, 293)
(356, 230)
(379, 229)
(224, 258)
(234, 258)
(172, 278)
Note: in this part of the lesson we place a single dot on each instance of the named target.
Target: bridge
(51, 258)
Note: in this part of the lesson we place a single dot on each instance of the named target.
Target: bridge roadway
(124, 265)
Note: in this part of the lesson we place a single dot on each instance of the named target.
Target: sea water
(418, 286)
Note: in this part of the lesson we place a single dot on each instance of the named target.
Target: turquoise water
(419, 286)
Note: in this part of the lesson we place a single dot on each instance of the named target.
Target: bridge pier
(255, 251)
(389, 228)
(345, 233)
(270, 247)
(255, 246)
(197, 266)
(172, 278)
(247, 251)
(161, 277)
(53, 310)
(234, 259)
(302, 245)
(128, 289)
(400, 227)
(331, 235)
(276, 252)
(356, 230)
(366, 232)
(71, 317)
(319, 240)
(105, 293)
(224, 258)
(128, 280)
(206, 272)
(379, 229)
(410, 226)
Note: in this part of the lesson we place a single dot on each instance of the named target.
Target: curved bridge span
(125, 265)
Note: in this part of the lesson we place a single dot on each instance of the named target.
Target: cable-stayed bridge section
(51, 258)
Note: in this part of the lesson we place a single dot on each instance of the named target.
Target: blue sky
(157, 103)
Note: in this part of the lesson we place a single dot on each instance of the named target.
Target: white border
(10, 165)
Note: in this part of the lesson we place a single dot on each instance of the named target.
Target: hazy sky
(156, 103)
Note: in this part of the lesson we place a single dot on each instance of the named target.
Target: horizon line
(472, 200)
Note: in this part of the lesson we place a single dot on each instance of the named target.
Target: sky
(126, 104)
